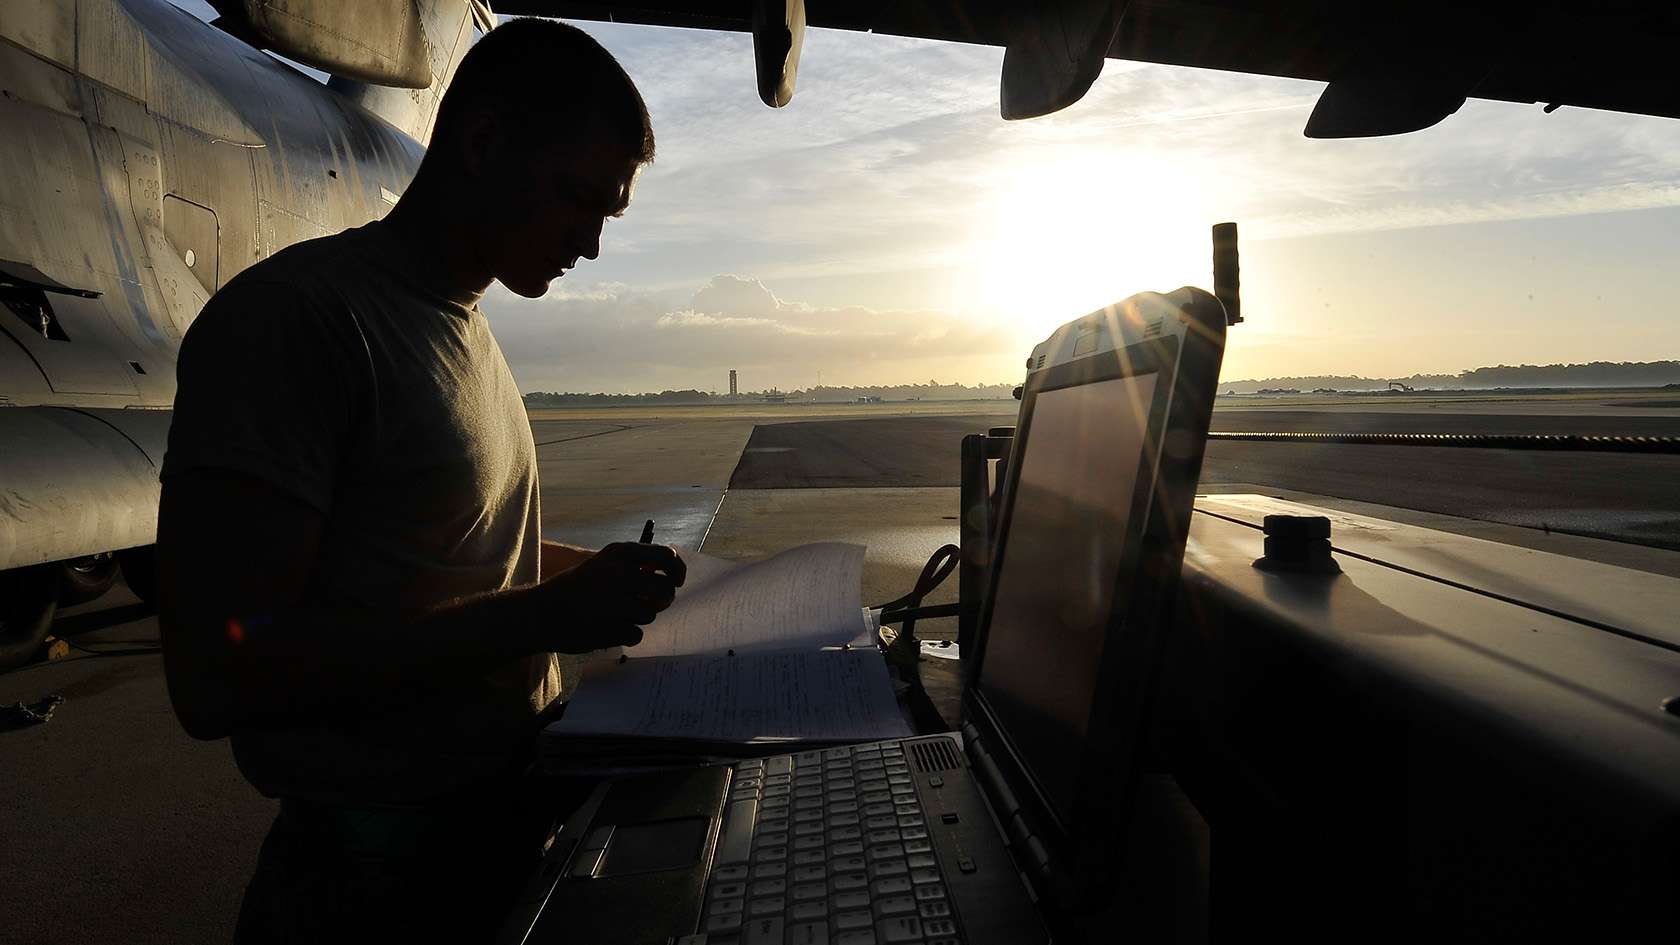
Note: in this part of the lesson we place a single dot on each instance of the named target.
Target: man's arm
(558, 557)
(241, 648)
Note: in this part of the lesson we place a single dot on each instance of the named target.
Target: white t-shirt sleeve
(271, 383)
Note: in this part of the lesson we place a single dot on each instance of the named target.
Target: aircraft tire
(86, 578)
(28, 601)
(139, 571)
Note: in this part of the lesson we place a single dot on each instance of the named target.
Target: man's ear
(480, 142)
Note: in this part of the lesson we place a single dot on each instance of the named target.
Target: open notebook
(755, 656)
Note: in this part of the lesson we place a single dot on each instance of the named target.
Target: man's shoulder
(297, 296)
(311, 268)
(304, 285)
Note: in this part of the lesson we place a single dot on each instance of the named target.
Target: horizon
(1673, 364)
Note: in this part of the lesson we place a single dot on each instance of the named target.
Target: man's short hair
(553, 75)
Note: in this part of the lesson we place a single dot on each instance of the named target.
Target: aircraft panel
(75, 484)
(38, 82)
(187, 61)
(111, 47)
(218, 177)
(24, 381)
(46, 29)
(145, 328)
(124, 114)
(279, 228)
(192, 232)
(164, 268)
(83, 363)
(87, 357)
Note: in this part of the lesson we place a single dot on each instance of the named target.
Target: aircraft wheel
(86, 578)
(139, 571)
(28, 600)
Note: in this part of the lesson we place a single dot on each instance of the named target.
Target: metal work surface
(1475, 768)
(1636, 604)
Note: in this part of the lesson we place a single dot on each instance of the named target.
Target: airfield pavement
(119, 828)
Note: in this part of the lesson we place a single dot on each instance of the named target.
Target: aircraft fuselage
(147, 158)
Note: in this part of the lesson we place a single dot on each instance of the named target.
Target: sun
(1063, 235)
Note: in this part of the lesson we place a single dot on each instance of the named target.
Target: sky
(888, 226)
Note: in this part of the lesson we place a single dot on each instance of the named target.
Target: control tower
(732, 382)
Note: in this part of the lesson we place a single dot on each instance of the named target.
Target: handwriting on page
(766, 696)
(806, 596)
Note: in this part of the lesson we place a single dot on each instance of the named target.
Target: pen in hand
(646, 539)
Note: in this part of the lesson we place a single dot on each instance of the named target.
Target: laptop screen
(1067, 537)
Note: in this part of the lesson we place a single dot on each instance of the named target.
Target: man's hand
(604, 601)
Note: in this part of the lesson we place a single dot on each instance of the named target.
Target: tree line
(1592, 374)
(932, 390)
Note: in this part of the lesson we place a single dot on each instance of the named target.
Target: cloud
(597, 291)
(729, 293)
(618, 338)
(701, 320)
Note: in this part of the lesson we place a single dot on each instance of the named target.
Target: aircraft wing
(1393, 65)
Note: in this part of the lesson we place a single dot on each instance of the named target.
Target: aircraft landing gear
(28, 601)
(86, 578)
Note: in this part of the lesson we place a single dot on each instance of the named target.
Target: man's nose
(590, 245)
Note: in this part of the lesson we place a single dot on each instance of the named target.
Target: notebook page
(811, 596)
(764, 696)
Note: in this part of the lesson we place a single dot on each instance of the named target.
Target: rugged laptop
(993, 835)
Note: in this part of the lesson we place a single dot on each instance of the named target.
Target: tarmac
(1625, 498)
(601, 481)
(119, 828)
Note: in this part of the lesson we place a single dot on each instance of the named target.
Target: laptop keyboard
(825, 848)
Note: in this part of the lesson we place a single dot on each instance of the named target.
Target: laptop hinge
(1028, 849)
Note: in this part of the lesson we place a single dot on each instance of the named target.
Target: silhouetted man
(353, 583)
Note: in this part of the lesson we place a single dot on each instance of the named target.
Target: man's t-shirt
(334, 372)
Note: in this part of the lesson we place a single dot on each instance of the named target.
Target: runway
(1627, 498)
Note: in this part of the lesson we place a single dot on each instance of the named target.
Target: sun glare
(1065, 235)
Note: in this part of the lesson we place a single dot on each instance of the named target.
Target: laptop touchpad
(658, 845)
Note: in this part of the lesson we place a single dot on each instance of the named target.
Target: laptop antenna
(1225, 281)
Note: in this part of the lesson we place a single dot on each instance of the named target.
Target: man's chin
(527, 288)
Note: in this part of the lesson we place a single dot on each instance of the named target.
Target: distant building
(732, 383)
(775, 397)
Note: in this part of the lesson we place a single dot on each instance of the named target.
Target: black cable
(145, 650)
(921, 613)
(908, 609)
